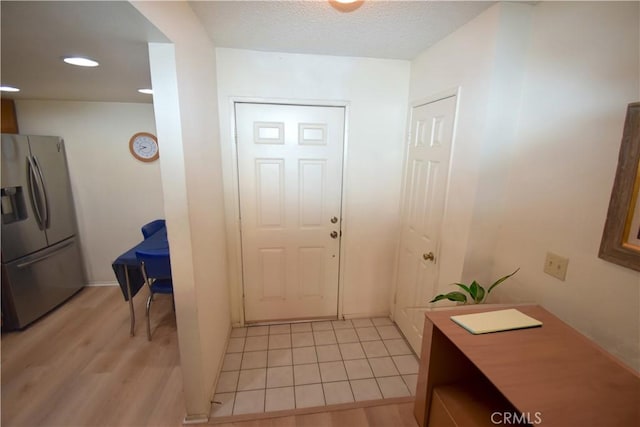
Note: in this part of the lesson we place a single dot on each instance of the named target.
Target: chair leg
(148, 320)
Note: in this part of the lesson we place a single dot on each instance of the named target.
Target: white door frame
(234, 239)
(454, 91)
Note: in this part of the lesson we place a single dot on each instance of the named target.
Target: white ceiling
(377, 29)
(36, 35)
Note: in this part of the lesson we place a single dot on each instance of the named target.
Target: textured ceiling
(379, 29)
(36, 35)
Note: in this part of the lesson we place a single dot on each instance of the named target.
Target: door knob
(334, 234)
(429, 257)
(334, 220)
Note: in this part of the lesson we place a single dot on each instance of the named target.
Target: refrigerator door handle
(33, 190)
(46, 255)
(47, 219)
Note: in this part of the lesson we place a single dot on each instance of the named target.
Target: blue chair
(156, 271)
(152, 227)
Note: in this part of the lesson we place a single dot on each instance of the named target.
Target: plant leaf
(502, 279)
(456, 296)
(451, 296)
(464, 287)
(438, 298)
(473, 290)
(481, 294)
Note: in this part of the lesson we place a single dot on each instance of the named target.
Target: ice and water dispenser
(13, 205)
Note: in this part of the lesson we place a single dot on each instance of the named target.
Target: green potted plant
(475, 290)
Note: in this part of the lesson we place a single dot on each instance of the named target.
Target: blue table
(128, 272)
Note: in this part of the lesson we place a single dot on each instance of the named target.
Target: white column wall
(185, 100)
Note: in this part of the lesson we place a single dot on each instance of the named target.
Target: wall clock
(144, 147)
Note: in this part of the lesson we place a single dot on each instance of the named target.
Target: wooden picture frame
(621, 236)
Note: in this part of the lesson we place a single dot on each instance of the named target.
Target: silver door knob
(429, 257)
(334, 234)
(334, 220)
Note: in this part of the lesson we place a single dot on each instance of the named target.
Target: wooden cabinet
(551, 375)
(8, 115)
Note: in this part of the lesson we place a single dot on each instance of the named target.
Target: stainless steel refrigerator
(41, 261)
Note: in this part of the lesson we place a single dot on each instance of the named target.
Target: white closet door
(424, 197)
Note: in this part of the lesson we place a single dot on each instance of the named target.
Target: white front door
(425, 188)
(290, 185)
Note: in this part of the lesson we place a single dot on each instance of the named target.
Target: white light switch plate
(556, 265)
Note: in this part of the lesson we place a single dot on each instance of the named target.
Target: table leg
(132, 313)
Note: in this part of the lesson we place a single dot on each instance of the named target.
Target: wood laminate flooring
(78, 366)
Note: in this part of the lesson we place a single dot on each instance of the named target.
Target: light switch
(556, 265)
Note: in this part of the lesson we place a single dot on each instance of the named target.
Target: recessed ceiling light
(146, 91)
(9, 89)
(81, 62)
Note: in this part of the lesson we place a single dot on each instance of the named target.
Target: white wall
(183, 75)
(582, 71)
(114, 194)
(500, 114)
(376, 91)
(544, 90)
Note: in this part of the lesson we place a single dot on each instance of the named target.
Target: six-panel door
(290, 185)
(425, 188)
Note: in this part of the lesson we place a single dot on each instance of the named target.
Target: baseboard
(215, 382)
(99, 284)
(366, 315)
(314, 319)
(195, 419)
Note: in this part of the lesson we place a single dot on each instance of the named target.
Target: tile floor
(299, 365)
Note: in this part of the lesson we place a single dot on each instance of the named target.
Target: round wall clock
(144, 147)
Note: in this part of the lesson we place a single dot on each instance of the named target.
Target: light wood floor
(79, 367)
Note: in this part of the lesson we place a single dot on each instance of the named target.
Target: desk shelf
(469, 404)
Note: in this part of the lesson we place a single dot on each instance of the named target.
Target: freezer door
(21, 231)
(49, 158)
(39, 282)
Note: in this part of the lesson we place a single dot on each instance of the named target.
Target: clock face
(144, 146)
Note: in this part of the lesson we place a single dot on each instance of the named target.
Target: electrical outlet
(556, 266)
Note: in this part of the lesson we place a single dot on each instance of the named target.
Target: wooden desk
(552, 370)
